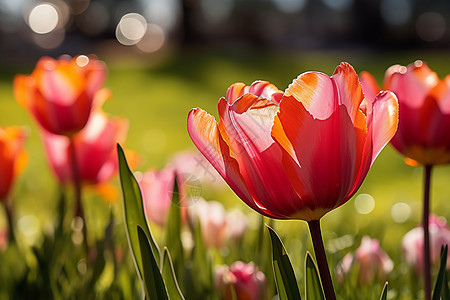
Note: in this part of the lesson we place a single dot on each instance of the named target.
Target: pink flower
(371, 261)
(412, 243)
(60, 93)
(246, 279)
(157, 191)
(95, 148)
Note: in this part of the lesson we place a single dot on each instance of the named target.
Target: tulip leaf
(313, 285)
(153, 282)
(170, 278)
(284, 273)
(384, 292)
(134, 212)
(173, 238)
(441, 287)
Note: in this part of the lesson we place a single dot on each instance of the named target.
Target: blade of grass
(313, 285)
(169, 277)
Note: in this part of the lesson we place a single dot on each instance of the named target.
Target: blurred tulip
(412, 244)
(95, 149)
(157, 191)
(60, 93)
(424, 119)
(237, 225)
(247, 281)
(13, 157)
(213, 221)
(370, 260)
(301, 153)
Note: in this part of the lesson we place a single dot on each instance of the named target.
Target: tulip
(157, 191)
(301, 153)
(412, 244)
(247, 281)
(95, 148)
(371, 261)
(13, 157)
(213, 221)
(424, 121)
(60, 93)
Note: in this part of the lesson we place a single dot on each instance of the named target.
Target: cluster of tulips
(295, 154)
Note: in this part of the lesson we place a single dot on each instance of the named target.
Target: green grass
(156, 96)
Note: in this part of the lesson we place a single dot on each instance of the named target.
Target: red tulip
(60, 93)
(301, 153)
(248, 282)
(13, 158)
(424, 120)
(95, 148)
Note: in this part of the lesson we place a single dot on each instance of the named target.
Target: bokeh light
(396, 12)
(339, 5)
(289, 6)
(131, 29)
(43, 18)
(401, 212)
(431, 26)
(152, 40)
(364, 204)
(216, 11)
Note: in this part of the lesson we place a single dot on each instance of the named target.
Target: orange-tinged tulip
(95, 148)
(13, 157)
(60, 93)
(301, 153)
(424, 120)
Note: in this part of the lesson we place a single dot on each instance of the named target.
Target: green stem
(426, 233)
(7, 204)
(79, 212)
(316, 236)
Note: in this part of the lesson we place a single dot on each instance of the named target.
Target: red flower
(301, 153)
(13, 158)
(95, 147)
(424, 119)
(60, 93)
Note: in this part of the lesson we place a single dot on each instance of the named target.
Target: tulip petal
(204, 132)
(349, 88)
(327, 153)
(369, 85)
(249, 121)
(384, 121)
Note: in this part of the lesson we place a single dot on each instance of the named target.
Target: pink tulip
(13, 158)
(301, 153)
(371, 261)
(157, 191)
(213, 221)
(95, 148)
(60, 93)
(248, 282)
(412, 243)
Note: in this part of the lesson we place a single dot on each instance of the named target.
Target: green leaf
(284, 274)
(313, 285)
(173, 233)
(384, 292)
(441, 286)
(134, 211)
(170, 278)
(153, 282)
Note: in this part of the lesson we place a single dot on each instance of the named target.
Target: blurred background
(29, 29)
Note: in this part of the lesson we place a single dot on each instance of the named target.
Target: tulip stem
(79, 212)
(426, 233)
(7, 204)
(316, 236)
